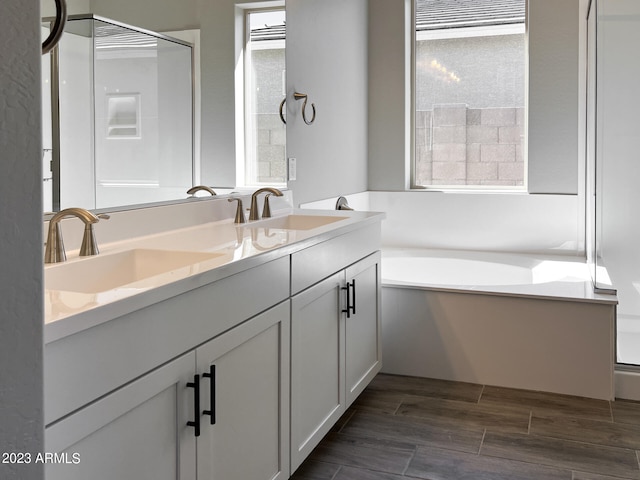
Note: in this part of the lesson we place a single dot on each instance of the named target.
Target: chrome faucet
(192, 191)
(342, 204)
(266, 211)
(54, 252)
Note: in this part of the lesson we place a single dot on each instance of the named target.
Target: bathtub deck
(553, 277)
(403, 427)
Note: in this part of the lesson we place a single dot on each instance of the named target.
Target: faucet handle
(239, 210)
(54, 251)
(266, 209)
(89, 245)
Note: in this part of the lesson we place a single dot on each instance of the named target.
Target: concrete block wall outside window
(458, 145)
(265, 133)
(271, 148)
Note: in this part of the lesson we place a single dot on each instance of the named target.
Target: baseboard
(627, 384)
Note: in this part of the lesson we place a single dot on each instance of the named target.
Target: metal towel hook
(58, 27)
(299, 96)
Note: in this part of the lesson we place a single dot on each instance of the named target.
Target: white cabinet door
(247, 395)
(138, 432)
(317, 365)
(363, 350)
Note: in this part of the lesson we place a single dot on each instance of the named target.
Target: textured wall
(21, 398)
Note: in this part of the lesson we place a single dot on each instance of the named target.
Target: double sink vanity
(214, 350)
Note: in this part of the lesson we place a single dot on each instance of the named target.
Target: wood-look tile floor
(405, 427)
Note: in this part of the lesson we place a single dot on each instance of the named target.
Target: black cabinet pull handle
(212, 394)
(353, 287)
(348, 309)
(196, 404)
(351, 300)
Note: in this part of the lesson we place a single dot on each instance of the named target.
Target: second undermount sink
(107, 272)
(298, 222)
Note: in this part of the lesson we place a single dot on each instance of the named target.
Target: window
(469, 94)
(265, 134)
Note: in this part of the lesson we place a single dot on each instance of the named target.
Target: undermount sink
(298, 222)
(107, 272)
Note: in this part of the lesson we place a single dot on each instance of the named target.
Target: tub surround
(518, 321)
(517, 342)
(170, 371)
(471, 220)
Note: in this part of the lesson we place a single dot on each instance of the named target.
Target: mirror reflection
(123, 131)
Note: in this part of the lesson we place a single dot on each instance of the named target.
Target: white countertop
(237, 248)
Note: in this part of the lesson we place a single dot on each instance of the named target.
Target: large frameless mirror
(118, 116)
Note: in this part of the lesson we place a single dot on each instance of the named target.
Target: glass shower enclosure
(121, 128)
(613, 163)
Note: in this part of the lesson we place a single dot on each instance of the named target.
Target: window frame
(248, 159)
(463, 32)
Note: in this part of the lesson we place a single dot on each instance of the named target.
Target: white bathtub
(521, 321)
(472, 270)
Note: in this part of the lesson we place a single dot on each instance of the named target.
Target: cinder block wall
(271, 144)
(457, 145)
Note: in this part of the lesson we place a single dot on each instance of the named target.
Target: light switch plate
(292, 168)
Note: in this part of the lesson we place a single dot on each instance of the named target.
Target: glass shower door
(616, 168)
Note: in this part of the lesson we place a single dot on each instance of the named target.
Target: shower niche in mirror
(121, 130)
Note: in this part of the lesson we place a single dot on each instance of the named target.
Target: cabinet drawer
(312, 264)
(83, 367)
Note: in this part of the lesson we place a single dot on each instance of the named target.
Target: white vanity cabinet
(137, 432)
(147, 429)
(317, 365)
(335, 334)
(363, 343)
(144, 428)
(234, 374)
(245, 394)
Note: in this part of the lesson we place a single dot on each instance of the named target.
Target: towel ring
(299, 96)
(58, 27)
(281, 107)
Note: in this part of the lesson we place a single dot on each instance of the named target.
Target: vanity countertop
(226, 249)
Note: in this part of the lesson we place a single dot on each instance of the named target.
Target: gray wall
(389, 97)
(554, 119)
(21, 311)
(327, 59)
